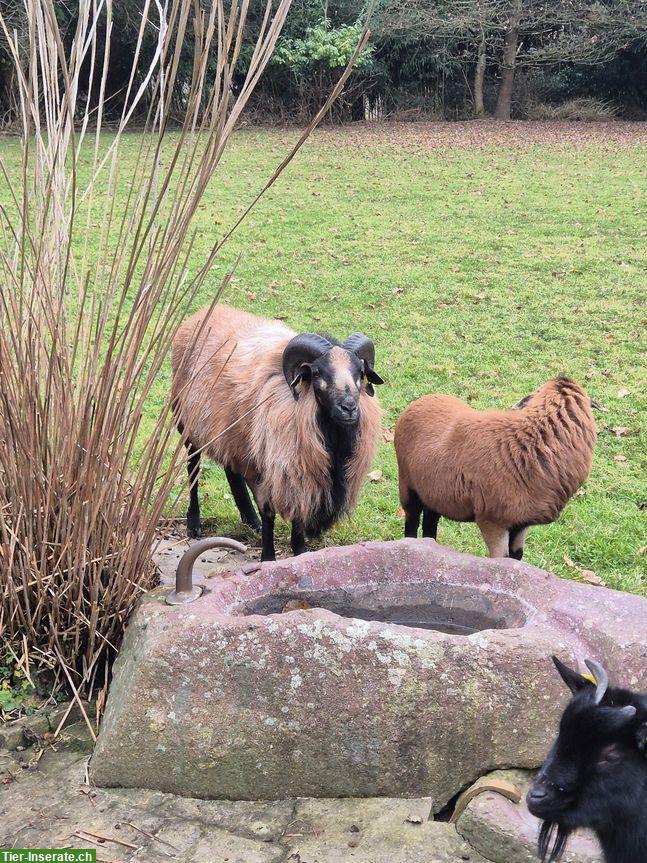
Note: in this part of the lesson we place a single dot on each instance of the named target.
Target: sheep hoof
(193, 528)
(517, 555)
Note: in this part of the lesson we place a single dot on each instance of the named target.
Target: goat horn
(601, 678)
(362, 346)
(303, 348)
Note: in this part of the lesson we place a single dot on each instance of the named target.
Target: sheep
(291, 416)
(595, 774)
(504, 469)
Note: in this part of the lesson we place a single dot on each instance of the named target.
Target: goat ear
(616, 718)
(521, 403)
(573, 679)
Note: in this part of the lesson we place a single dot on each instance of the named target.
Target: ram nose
(348, 410)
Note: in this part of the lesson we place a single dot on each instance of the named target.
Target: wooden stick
(76, 696)
(102, 838)
(151, 835)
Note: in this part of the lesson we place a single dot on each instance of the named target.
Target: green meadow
(479, 269)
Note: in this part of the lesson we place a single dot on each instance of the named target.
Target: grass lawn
(481, 265)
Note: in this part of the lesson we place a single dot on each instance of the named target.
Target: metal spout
(185, 591)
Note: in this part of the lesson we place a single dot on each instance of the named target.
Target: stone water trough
(404, 669)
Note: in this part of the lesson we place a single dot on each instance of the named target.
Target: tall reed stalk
(90, 297)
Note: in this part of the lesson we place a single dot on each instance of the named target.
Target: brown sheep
(289, 416)
(504, 469)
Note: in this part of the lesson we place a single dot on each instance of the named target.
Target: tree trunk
(510, 44)
(479, 77)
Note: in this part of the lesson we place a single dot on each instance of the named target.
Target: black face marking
(336, 379)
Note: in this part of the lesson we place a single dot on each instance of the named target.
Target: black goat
(595, 774)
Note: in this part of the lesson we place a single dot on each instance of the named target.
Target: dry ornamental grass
(83, 333)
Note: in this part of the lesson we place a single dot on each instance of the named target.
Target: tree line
(445, 59)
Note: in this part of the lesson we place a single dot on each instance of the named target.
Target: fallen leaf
(299, 282)
(375, 475)
(586, 574)
(622, 393)
(251, 295)
(620, 458)
(621, 431)
(591, 578)
(387, 435)
(400, 513)
(382, 325)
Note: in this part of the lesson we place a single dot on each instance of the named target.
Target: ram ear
(573, 679)
(371, 377)
(304, 374)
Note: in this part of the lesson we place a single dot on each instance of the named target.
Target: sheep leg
(430, 521)
(495, 536)
(242, 499)
(412, 509)
(267, 535)
(193, 525)
(297, 539)
(517, 539)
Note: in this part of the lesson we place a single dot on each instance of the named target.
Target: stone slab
(373, 831)
(51, 806)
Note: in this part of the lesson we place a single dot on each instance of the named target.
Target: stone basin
(410, 670)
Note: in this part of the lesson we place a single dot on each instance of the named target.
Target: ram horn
(362, 347)
(303, 348)
(601, 679)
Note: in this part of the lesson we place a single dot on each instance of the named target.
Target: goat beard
(552, 841)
